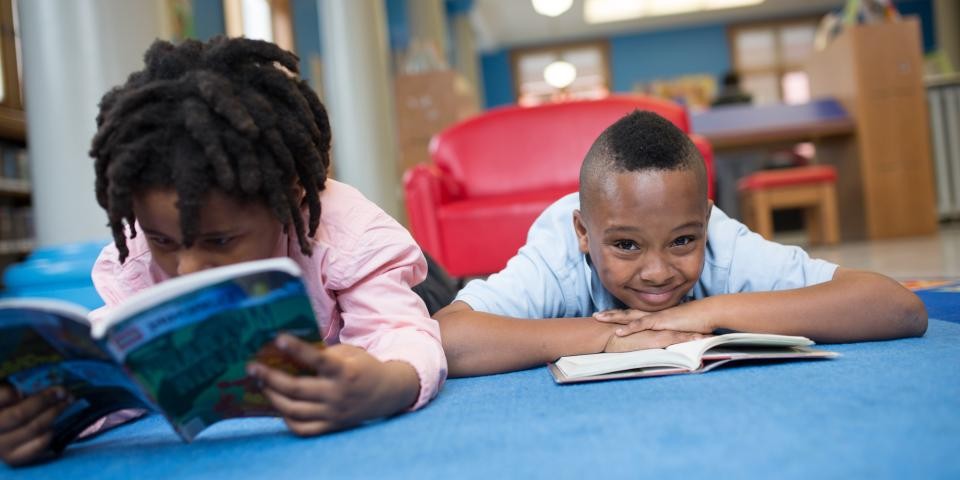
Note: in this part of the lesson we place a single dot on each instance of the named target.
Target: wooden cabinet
(876, 71)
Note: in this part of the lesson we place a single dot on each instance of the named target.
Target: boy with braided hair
(216, 153)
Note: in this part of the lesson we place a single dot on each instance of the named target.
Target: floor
(903, 259)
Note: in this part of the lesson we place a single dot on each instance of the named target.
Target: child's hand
(25, 424)
(350, 386)
(681, 318)
(648, 339)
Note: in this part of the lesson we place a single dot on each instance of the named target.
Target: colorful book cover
(189, 355)
(179, 349)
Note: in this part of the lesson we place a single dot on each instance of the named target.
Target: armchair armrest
(423, 195)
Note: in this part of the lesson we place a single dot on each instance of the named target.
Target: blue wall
(924, 10)
(398, 27)
(644, 57)
(306, 33)
(634, 58)
(497, 78)
(208, 18)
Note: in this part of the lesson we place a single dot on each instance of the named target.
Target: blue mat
(943, 303)
(882, 410)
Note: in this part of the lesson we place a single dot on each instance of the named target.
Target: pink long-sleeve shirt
(359, 279)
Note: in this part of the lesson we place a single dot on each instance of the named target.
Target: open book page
(578, 366)
(687, 356)
(695, 349)
(44, 343)
(189, 353)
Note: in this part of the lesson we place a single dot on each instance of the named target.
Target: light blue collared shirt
(550, 278)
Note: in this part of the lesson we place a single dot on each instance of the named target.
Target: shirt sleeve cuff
(426, 357)
(475, 302)
(824, 272)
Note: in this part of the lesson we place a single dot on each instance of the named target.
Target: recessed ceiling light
(551, 8)
(602, 11)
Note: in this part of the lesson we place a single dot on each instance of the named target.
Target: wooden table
(744, 136)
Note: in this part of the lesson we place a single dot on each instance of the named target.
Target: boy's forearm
(854, 306)
(478, 343)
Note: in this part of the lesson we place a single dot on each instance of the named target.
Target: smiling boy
(640, 258)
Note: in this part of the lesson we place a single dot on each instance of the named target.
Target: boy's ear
(581, 230)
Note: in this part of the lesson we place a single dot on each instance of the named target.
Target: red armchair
(493, 174)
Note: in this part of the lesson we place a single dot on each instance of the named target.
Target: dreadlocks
(222, 114)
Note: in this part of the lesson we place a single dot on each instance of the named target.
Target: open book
(179, 348)
(696, 356)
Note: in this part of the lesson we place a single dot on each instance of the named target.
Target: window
(563, 72)
(769, 58)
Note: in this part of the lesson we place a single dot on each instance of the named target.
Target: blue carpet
(943, 303)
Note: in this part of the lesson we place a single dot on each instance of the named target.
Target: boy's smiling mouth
(654, 297)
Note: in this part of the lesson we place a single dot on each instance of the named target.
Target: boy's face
(228, 231)
(645, 233)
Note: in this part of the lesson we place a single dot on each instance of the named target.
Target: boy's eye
(626, 245)
(683, 241)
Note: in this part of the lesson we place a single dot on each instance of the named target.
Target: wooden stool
(811, 188)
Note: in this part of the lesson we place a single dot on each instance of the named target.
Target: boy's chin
(648, 307)
(654, 308)
(647, 302)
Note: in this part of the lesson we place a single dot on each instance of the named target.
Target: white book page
(695, 349)
(579, 366)
(57, 307)
(160, 293)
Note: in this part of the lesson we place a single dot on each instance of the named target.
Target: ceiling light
(551, 8)
(560, 74)
(601, 11)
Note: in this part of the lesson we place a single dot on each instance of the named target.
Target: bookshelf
(885, 187)
(16, 211)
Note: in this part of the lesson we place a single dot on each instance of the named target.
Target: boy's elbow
(910, 312)
(915, 315)
(451, 320)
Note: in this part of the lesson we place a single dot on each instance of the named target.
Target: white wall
(359, 99)
(72, 53)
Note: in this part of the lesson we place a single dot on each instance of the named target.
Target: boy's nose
(655, 270)
(190, 261)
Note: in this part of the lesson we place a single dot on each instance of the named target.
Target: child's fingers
(21, 413)
(311, 428)
(297, 410)
(308, 354)
(36, 427)
(30, 451)
(8, 395)
(622, 317)
(638, 325)
(680, 337)
(308, 388)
